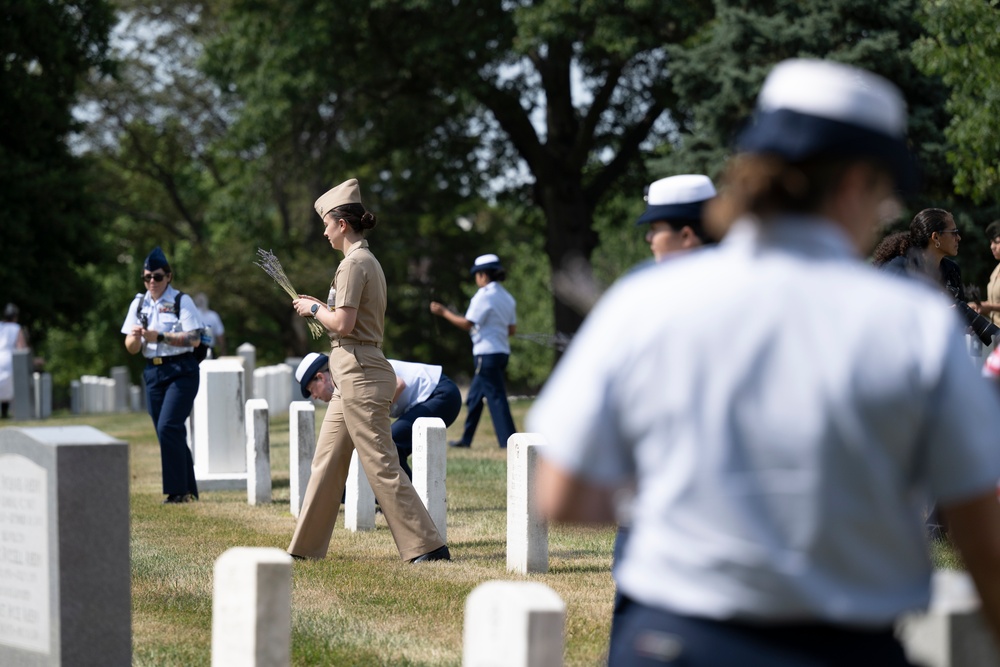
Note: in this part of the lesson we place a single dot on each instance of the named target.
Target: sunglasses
(155, 277)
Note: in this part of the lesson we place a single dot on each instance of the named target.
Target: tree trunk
(569, 243)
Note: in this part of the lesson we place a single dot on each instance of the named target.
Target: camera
(981, 326)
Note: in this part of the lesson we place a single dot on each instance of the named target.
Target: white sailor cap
(486, 263)
(311, 364)
(809, 108)
(677, 199)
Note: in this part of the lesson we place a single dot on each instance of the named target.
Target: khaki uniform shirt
(360, 284)
(993, 293)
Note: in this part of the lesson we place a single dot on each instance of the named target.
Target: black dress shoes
(174, 498)
(458, 443)
(441, 553)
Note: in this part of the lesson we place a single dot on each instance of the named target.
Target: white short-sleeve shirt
(161, 317)
(420, 380)
(492, 311)
(785, 412)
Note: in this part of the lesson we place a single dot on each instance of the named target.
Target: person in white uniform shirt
(422, 390)
(166, 331)
(212, 323)
(490, 320)
(780, 467)
(11, 338)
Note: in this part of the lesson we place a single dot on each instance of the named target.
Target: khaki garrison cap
(348, 192)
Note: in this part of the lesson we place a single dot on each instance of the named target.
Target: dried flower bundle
(272, 267)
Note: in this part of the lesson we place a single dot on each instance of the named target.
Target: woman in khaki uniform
(358, 414)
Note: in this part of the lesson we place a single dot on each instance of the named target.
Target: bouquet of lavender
(272, 267)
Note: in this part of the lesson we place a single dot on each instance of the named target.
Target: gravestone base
(220, 481)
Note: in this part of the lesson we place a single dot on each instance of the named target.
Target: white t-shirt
(785, 411)
(492, 311)
(420, 379)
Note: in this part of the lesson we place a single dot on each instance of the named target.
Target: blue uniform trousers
(445, 402)
(646, 636)
(170, 391)
(489, 384)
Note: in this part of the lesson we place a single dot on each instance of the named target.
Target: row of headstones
(527, 531)
(32, 390)
(65, 578)
(507, 623)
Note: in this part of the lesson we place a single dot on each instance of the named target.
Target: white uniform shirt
(161, 318)
(9, 331)
(492, 310)
(420, 379)
(784, 410)
(210, 318)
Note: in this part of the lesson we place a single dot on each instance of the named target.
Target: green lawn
(361, 606)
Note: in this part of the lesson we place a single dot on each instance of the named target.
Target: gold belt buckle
(157, 361)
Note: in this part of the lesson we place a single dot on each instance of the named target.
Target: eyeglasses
(950, 231)
(155, 277)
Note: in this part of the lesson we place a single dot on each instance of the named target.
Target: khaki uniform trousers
(359, 418)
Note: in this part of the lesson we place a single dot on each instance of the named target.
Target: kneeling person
(422, 390)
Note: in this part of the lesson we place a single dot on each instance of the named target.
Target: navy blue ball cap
(678, 198)
(486, 263)
(811, 108)
(156, 260)
(311, 364)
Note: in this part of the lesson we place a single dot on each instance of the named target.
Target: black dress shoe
(174, 498)
(458, 443)
(441, 553)
(297, 557)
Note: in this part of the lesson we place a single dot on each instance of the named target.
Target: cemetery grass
(361, 605)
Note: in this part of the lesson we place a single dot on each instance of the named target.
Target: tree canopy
(962, 46)
(49, 223)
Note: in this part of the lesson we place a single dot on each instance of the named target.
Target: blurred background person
(673, 212)
(925, 251)
(991, 307)
(11, 338)
(780, 474)
(210, 318)
(491, 320)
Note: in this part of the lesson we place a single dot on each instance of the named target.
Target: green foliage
(49, 226)
(961, 46)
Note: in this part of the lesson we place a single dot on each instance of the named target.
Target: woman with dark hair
(925, 251)
(11, 338)
(358, 414)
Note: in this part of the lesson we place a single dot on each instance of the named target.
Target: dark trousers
(170, 391)
(488, 383)
(648, 637)
(445, 402)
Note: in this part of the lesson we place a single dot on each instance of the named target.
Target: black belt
(158, 361)
(341, 342)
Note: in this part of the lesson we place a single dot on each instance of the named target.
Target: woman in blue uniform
(166, 333)
(490, 320)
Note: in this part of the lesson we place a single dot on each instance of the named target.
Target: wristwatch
(314, 309)
(160, 337)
